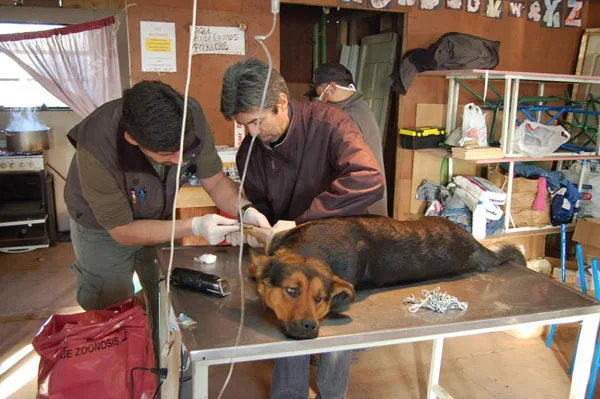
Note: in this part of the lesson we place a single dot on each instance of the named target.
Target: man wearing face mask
(309, 162)
(333, 83)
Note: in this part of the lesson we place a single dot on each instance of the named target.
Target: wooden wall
(207, 70)
(594, 14)
(297, 41)
(525, 46)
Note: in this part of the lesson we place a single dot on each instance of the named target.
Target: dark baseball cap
(330, 72)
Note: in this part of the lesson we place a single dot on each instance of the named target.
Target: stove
(21, 161)
(27, 213)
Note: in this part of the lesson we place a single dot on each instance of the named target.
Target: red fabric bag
(91, 354)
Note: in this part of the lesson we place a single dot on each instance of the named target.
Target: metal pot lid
(27, 131)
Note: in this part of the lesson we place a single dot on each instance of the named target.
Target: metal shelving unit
(512, 84)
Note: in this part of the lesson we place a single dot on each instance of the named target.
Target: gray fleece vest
(102, 135)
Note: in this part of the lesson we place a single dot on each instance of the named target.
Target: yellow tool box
(421, 137)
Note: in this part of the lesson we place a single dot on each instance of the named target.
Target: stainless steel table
(505, 299)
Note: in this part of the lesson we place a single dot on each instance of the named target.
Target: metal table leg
(583, 357)
(433, 387)
(200, 380)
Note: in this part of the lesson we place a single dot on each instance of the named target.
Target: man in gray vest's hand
(121, 186)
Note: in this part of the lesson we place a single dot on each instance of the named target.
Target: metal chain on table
(436, 301)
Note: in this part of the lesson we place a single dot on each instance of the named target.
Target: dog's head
(299, 290)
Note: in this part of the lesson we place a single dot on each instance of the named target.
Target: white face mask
(329, 88)
(324, 93)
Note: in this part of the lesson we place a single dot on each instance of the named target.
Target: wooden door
(377, 55)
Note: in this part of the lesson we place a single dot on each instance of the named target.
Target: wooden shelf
(557, 156)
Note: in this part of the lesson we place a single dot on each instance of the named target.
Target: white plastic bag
(473, 125)
(589, 205)
(536, 139)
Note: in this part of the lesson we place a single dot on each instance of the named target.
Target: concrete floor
(36, 284)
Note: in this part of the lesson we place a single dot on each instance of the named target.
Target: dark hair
(243, 85)
(152, 115)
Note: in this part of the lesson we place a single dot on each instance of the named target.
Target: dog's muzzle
(301, 329)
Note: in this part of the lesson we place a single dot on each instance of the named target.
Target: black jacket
(451, 51)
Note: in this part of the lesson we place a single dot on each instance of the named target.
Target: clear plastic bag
(536, 139)
(473, 125)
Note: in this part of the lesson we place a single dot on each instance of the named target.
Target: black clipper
(200, 281)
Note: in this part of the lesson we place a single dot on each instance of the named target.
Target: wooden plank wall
(207, 70)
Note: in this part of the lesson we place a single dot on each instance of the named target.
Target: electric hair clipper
(200, 281)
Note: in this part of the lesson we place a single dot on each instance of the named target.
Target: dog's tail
(509, 254)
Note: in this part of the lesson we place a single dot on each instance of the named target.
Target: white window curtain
(78, 64)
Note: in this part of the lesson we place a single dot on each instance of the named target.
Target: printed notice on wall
(158, 46)
(219, 40)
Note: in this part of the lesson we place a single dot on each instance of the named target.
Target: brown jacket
(322, 168)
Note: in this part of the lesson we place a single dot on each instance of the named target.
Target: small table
(504, 299)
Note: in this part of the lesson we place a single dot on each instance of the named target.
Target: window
(17, 88)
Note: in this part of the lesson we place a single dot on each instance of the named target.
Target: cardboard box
(555, 262)
(587, 233)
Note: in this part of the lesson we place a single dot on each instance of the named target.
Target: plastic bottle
(479, 221)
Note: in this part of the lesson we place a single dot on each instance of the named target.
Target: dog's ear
(342, 294)
(258, 264)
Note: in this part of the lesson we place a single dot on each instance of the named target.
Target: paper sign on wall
(219, 40)
(158, 46)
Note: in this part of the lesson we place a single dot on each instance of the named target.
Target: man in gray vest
(333, 83)
(121, 186)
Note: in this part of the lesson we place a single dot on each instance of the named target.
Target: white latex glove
(254, 217)
(281, 225)
(234, 239)
(214, 227)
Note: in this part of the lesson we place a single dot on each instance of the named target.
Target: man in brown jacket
(311, 162)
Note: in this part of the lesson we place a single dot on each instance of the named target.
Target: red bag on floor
(90, 355)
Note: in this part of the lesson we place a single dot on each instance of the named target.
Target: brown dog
(312, 269)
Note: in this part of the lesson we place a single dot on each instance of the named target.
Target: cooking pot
(27, 140)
